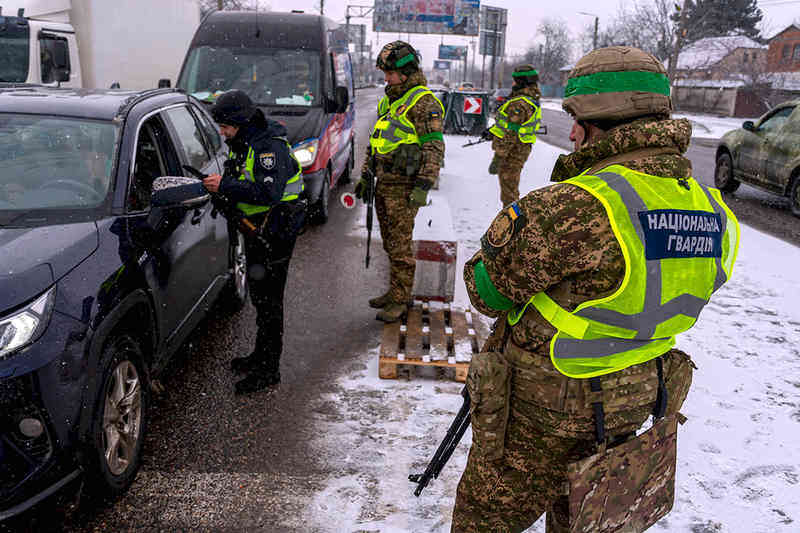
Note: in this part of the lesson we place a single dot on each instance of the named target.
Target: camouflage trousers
(548, 429)
(396, 220)
(508, 173)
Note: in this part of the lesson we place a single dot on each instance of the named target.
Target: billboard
(455, 17)
(493, 31)
(357, 34)
(491, 40)
(441, 65)
(447, 51)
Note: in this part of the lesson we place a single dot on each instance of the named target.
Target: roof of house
(795, 27)
(709, 51)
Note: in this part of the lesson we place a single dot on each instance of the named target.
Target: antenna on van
(258, 26)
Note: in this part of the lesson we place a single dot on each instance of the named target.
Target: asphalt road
(761, 210)
(213, 460)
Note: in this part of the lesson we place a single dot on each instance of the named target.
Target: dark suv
(102, 276)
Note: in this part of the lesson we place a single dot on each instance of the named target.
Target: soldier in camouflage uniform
(558, 242)
(406, 151)
(512, 146)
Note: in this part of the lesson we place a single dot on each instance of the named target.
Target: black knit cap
(233, 108)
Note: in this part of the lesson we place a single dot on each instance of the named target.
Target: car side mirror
(749, 126)
(342, 98)
(178, 191)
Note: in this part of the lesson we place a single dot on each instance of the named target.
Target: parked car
(499, 97)
(296, 67)
(105, 269)
(765, 154)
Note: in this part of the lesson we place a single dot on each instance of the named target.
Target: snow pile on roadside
(738, 455)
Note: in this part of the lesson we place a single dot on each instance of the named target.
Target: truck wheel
(119, 419)
(794, 195)
(234, 295)
(319, 211)
(723, 174)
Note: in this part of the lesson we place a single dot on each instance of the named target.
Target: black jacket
(274, 163)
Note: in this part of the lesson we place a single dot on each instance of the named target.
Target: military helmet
(400, 56)
(525, 75)
(233, 108)
(616, 84)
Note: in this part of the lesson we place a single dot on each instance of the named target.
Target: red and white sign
(473, 105)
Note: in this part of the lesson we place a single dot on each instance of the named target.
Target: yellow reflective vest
(393, 127)
(525, 131)
(679, 247)
(294, 186)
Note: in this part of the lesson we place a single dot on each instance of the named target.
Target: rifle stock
(446, 448)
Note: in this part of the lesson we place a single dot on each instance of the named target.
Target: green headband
(526, 73)
(408, 58)
(617, 82)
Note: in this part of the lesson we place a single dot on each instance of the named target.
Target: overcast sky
(523, 18)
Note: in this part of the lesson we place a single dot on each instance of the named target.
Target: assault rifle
(229, 210)
(369, 199)
(541, 131)
(446, 448)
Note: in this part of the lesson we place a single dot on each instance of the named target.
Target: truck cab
(296, 67)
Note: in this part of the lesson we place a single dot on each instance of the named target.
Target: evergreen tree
(716, 18)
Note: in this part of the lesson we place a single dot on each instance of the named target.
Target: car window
(776, 121)
(210, 130)
(190, 138)
(154, 157)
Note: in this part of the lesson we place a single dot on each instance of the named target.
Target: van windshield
(13, 51)
(270, 76)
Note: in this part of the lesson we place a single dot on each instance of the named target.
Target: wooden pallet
(430, 336)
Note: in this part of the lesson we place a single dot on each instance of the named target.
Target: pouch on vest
(488, 383)
(407, 160)
(631, 485)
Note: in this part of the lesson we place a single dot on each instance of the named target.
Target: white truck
(131, 44)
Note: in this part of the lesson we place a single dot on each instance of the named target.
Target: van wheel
(119, 419)
(794, 195)
(723, 174)
(234, 295)
(319, 211)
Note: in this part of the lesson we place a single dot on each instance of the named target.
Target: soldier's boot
(381, 301)
(392, 312)
(260, 376)
(241, 365)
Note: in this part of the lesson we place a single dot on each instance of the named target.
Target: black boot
(242, 365)
(256, 381)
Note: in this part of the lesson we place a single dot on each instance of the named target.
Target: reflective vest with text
(291, 192)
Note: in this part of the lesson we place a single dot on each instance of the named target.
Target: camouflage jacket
(426, 115)
(563, 243)
(518, 113)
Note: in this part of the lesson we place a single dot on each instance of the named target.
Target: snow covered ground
(703, 126)
(738, 455)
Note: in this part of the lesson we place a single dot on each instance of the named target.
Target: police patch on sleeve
(675, 233)
(267, 160)
(505, 225)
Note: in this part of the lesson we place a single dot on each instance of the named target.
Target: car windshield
(270, 76)
(53, 164)
(13, 51)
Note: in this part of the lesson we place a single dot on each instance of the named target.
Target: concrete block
(435, 249)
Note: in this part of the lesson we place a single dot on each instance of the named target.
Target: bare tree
(551, 54)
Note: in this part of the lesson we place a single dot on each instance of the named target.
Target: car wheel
(723, 174)
(794, 195)
(234, 295)
(320, 208)
(119, 419)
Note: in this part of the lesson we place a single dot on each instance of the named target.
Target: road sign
(441, 65)
(473, 105)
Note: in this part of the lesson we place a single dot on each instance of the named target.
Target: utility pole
(219, 5)
(358, 12)
(596, 24)
(321, 7)
(681, 33)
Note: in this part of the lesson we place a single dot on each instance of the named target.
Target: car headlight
(306, 153)
(27, 324)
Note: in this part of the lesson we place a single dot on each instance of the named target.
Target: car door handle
(197, 216)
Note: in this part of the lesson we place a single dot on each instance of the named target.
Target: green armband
(487, 291)
(432, 136)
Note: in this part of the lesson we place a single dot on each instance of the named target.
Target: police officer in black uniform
(265, 181)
